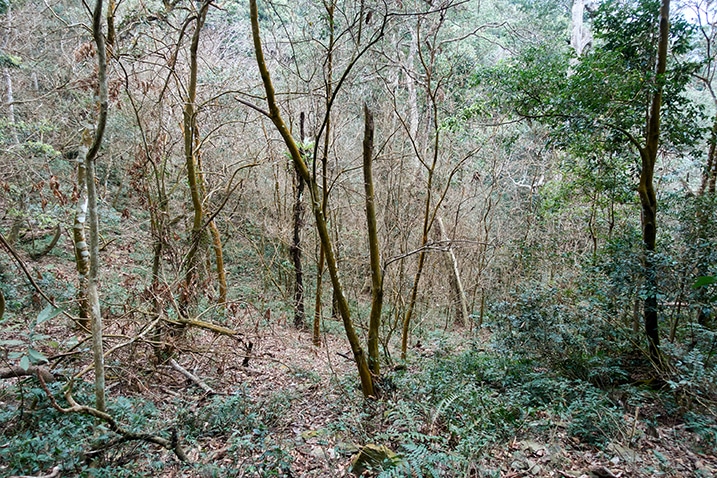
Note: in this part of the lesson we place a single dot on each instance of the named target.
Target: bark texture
(90, 162)
(646, 188)
(374, 323)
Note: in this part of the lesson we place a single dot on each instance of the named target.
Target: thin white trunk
(580, 36)
(457, 291)
(82, 252)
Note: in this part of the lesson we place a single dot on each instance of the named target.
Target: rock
(374, 457)
(323, 453)
(625, 454)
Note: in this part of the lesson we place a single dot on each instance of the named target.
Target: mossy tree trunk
(94, 249)
(374, 323)
(295, 249)
(189, 130)
(367, 385)
(646, 188)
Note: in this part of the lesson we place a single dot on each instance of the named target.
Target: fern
(447, 402)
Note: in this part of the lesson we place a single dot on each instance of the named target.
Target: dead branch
(55, 239)
(189, 375)
(13, 372)
(55, 473)
(119, 346)
(205, 325)
(172, 444)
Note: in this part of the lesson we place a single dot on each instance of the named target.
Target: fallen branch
(118, 346)
(17, 371)
(173, 363)
(205, 325)
(172, 444)
(55, 473)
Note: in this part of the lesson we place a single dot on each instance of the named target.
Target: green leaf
(49, 312)
(25, 362)
(703, 281)
(11, 343)
(37, 357)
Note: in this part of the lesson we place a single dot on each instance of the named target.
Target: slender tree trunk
(646, 189)
(189, 131)
(213, 229)
(457, 292)
(219, 259)
(421, 256)
(706, 195)
(82, 253)
(367, 385)
(411, 304)
(295, 249)
(710, 172)
(324, 180)
(316, 332)
(374, 323)
(90, 161)
(8, 77)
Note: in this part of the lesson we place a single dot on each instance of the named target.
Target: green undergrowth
(36, 437)
(445, 418)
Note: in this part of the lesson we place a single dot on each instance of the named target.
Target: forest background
(499, 213)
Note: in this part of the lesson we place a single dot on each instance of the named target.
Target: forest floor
(324, 410)
(306, 401)
(296, 410)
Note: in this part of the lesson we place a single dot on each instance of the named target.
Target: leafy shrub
(461, 405)
(565, 334)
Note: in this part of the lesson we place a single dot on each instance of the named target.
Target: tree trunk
(579, 36)
(646, 189)
(412, 302)
(710, 172)
(295, 251)
(367, 386)
(90, 161)
(219, 258)
(82, 253)
(458, 294)
(330, 8)
(421, 257)
(213, 229)
(374, 323)
(190, 132)
(316, 332)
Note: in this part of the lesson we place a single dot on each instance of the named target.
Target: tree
(95, 142)
(623, 92)
(274, 114)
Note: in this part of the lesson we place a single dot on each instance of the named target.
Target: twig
(119, 346)
(191, 377)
